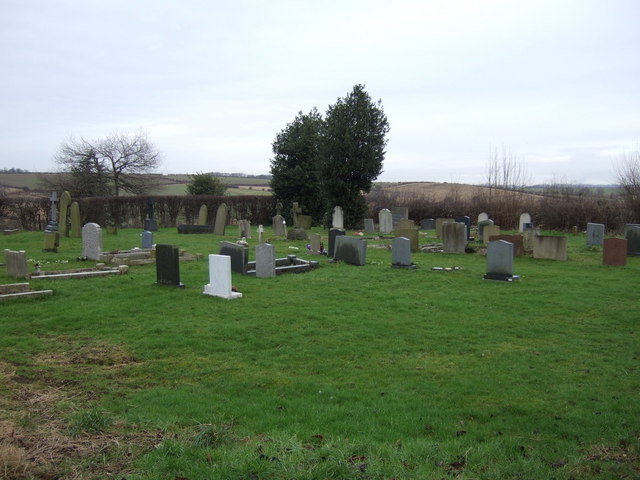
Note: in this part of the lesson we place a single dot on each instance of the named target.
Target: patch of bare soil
(35, 439)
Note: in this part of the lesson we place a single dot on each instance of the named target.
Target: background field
(344, 372)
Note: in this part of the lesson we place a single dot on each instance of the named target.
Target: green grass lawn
(343, 372)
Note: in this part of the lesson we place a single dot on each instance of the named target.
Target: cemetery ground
(343, 372)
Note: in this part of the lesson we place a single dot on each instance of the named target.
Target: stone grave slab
(516, 240)
(614, 252)
(92, 241)
(500, 261)
(440, 222)
(265, 260)
(221, 219)
(454, 237)
(333, 234)
(595, 234)
(16, 263)
(550, 247)
(401, 253)
(350, 250)
(427, 224)
(239, 255)
(632, 234)
(278, 225)
(397, 214)
(525, 218)
(412, 234)
(385, 221)
(337, 219)
(168, 265)
(369, 226)
(220, 278)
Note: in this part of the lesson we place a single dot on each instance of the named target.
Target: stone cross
(52, 226)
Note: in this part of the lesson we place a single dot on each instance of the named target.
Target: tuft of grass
(91, 421)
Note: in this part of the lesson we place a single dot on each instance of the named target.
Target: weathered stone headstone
(65, 201)
(397, 214)
(203, 215)
(401, 252)
(167, 265)
(410, 233)
(467, 221)
(333, 233)
(500, 261)
(76, 227)
(385, 221)
(439, 223)
(297, 233)
(369, 226)
(350, 250)
(595, 234)
(265, 260)
(146, 239)
(524, 219)
(278, 225)
(482, 217)
(221, 220)
(220, 278)
(16, 262)
(92, 241)
(427, 224)
(52, 226)
(150, 223)
(304, 222)
(454, 237)
(516, 240)
(481, 226)
(527, 237)
(295, 211)
(245, 228)
(632, 234)
(260, 234)
(337, 219)
(315, 241)
(489, 231)
(239, 256)
(614, 252)
(51, 241)
(549, 247)
(405, 223)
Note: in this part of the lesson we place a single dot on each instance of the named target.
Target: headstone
(146, 239)
(278, 225)
(404, 223)
(369, 226)
(245, 228)
(399, 213)
(439, 223)
(167, 265)
(150, 223)
(350, 250)
(574, 230)
(516, 240)
(304, 221)
(315, 242)
(260, 234)
(524, 219)
(401, 252)
(333, 234)
(467, 221)
(221, 220)
(239, 256)
(52, 226)
(220, 278)
(632, 234)
(295, 211)
(427, 224)
(527, 237)
(65, 201)
(595, 234)
(614, 252)
(411, 234)
(337, 220)
(265, 260)
(385, 221)
(500, 261)
(51, 241)
(454, 237)
(76, 228)
(92, 241)
(549, 247)
(297, 233)
(16, 262)
(481, 226)
(489, 231)
(203, 215)
(482, 217)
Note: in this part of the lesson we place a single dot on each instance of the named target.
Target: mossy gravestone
(76, 229)
(203, 214)
(65, 200)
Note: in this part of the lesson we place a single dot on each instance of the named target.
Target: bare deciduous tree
(629, 179)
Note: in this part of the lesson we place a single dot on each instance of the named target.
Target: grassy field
(343, 372)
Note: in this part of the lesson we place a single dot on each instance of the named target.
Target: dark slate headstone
(350, 250)
(398, 213)
(632, 234)
(614, 252)
(595, 234)
(427, 224)
(500, 261)
(168, 265)
(333, 233)
(401, 252)
(467, 221)
(150, 223)
(239, 256)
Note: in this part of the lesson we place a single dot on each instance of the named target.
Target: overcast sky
(555, 82)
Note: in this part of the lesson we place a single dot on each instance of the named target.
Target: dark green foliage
(206, 184)
(294, 169)
(353, 151)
